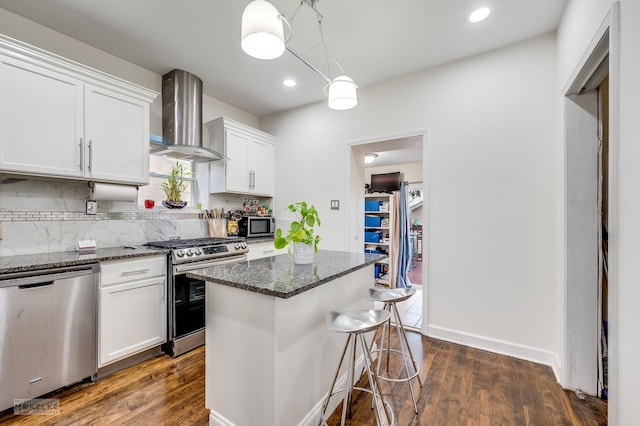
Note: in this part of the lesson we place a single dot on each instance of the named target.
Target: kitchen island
(269, 358)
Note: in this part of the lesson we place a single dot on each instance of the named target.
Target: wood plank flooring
(462, 386)
(160, 391)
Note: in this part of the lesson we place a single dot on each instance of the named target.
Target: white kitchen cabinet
(133, 307)
(260, 250)
(251, 152)
(115, 125)
(41, 120)
(59, 118)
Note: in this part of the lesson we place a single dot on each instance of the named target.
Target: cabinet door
(133, 318)
(41, 120)
(117, 134)
(261, 161)
(237, 176)
(260, 250)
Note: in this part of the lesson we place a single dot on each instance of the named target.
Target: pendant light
(262, 30)
(342, 93)
(262, 36)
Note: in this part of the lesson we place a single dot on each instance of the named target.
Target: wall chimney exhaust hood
(182, 120)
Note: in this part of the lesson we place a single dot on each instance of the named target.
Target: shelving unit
(377, 226)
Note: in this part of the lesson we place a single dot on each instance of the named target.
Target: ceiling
(393, 152)
(373, 40)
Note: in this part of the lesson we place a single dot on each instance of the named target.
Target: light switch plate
(92, 207)
(335, 204)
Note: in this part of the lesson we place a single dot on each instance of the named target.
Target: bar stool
(390, 297)
(355, 324)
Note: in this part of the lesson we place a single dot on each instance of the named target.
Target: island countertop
(278, 276)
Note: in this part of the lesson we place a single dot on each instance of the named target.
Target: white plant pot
(302, 253)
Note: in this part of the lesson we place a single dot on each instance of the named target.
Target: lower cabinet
(260, 250)
(133, 307)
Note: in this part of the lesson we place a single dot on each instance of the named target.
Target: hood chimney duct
(182, 119)
(182, 108)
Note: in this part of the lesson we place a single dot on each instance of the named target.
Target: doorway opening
(404, 154)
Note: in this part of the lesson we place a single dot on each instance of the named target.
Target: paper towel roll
(113, 192)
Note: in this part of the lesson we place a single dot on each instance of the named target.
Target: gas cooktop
(194, 249)
(194, 242)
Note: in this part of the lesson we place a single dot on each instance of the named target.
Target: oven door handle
(179, 269)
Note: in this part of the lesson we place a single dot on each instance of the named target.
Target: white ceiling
(393, 152)
(374, 40)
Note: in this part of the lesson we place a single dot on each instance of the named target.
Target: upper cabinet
(59, 118)
(115, 124)
(251, 153)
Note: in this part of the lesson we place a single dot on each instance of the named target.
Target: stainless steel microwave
(257, 226)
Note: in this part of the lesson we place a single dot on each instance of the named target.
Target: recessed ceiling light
(479, 14)
(289, 83)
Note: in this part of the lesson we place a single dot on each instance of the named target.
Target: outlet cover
(92, 207)
(335, 204)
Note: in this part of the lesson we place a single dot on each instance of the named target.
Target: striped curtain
(400, 250)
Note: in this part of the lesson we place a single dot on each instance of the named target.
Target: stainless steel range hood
(182, 119)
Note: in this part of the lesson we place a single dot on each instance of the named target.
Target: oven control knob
(243, 246)
(237, 246)
(189, 252)
(180, 253)
(199, 251)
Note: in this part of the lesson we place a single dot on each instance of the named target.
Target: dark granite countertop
(279, 276)
(33, 262)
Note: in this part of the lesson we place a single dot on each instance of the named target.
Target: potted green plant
(174, 186)
(301, 233)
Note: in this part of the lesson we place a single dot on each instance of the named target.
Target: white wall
(579, 25)
(492, 131)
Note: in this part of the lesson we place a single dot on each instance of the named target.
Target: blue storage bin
(372, 237)
(372, 221)
(372, 205)
(376, 271)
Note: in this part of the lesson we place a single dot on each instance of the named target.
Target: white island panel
(270, 360)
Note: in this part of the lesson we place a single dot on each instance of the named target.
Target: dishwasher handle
(35, 285)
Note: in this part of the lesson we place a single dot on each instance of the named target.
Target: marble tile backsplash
(39, 216)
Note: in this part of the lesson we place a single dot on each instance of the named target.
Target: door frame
(580, 304)
(356, 193)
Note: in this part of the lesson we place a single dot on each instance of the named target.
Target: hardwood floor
(161, 391)
(462, 386)
(466, 386)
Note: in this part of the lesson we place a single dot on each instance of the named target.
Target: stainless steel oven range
(186, 296)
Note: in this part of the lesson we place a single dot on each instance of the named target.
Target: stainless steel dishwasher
(48, 330)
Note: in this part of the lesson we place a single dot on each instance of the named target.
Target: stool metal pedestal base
(390, 297)
(356, 325)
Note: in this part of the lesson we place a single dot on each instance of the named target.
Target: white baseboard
(502, 347)
(216, 419)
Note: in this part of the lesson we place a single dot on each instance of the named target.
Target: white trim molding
(497, 346)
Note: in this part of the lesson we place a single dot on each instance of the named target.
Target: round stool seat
(356, 321)
(390, 295)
